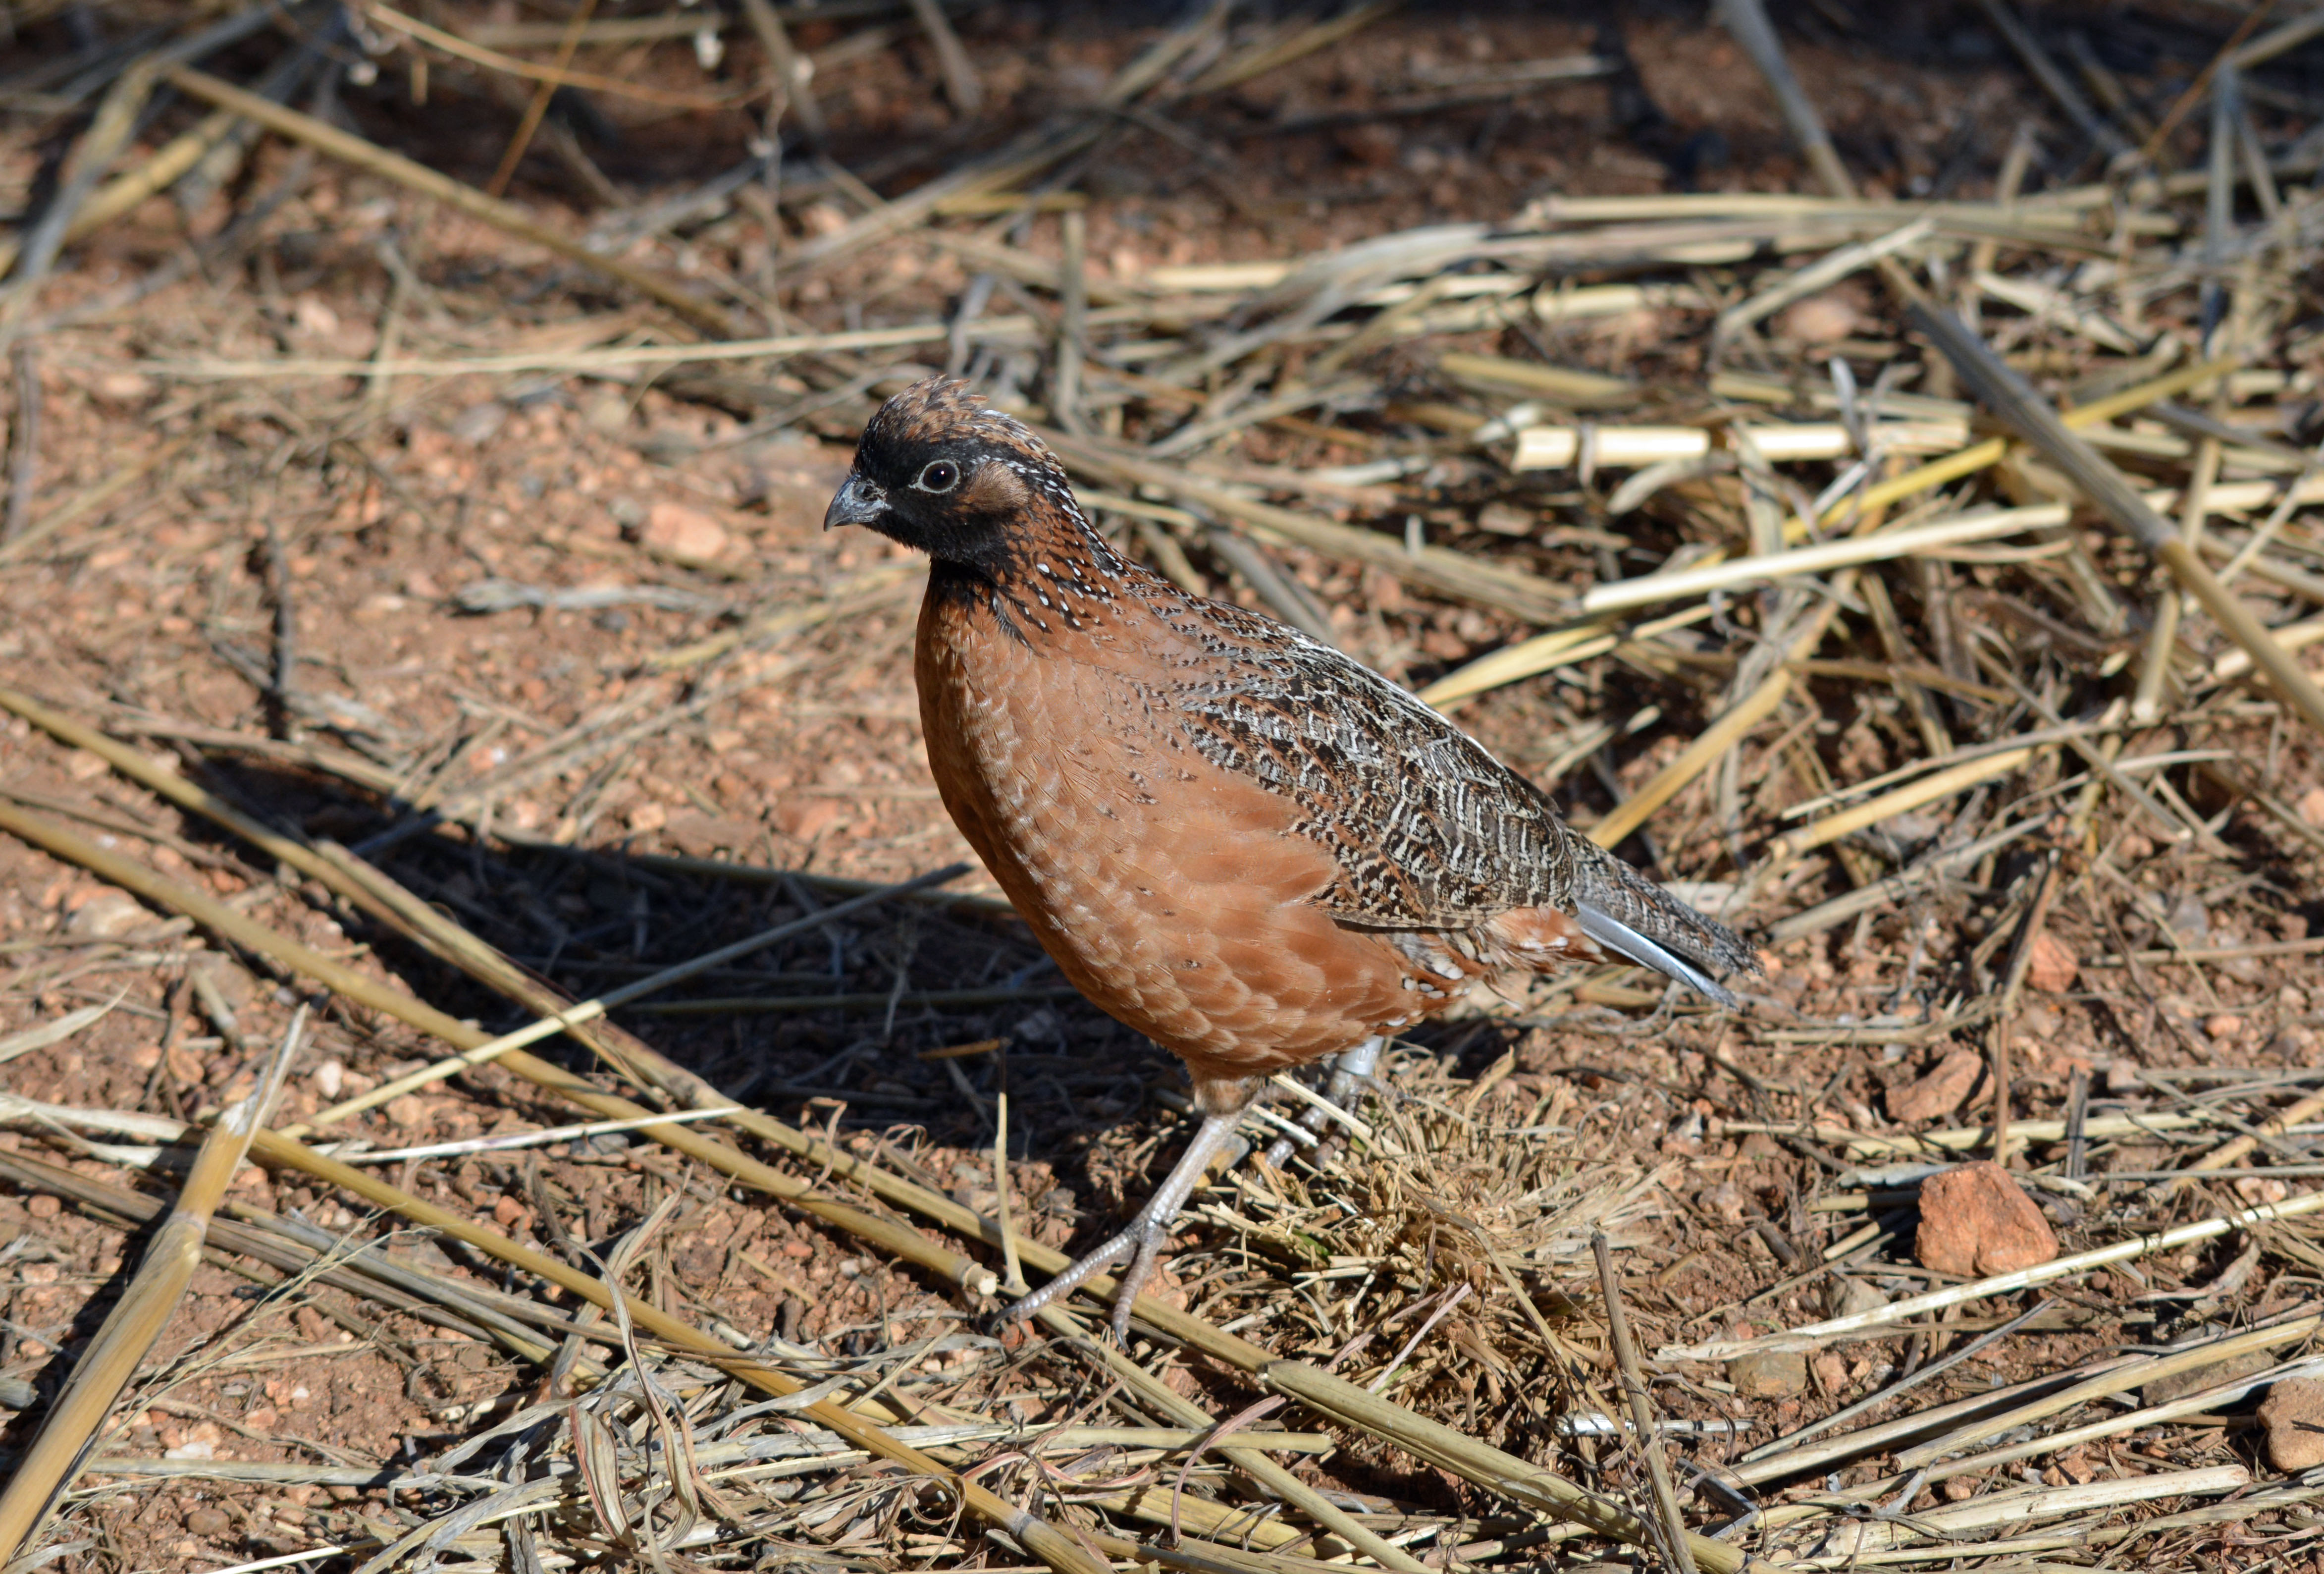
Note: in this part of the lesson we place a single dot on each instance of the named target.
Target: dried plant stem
(1863, 898)
(285, 1247)
(1642, 1410)
(123, 192)
(1558, 648)
(2134, 1374)
(105, 1369)
(538, 106)
(1964, 1139)
(1790, 1444)
(1982, 456)
(1883, 1436)
(2233, 1153)
(1012, 1277)
(2054, 82)
(1747, 21)
(506, 216)
(587, 1011)
(2021, 955)
(1479, 1462)
(557, 77)
(1879, 547)
(1270, 1476)
(88, 500)
(109, 130)
(1927, 790)
(2205, 1400)
(1053, 1546)
(793, 88)
(2009, 396)
(1437, 568)
(1716, 739)
(961, 85)
(1895, 1311)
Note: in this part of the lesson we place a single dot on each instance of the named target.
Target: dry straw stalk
(506, 216)
(1053, 1546)
(71, 1426)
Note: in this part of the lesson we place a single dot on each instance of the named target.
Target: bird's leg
(1349, 1070)
(1145, 1234)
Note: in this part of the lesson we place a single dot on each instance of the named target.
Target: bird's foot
(1141, 1240)
(1350, 1070)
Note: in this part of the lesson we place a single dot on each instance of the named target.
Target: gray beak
(857, 501)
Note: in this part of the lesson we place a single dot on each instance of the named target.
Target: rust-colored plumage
(1230, 837)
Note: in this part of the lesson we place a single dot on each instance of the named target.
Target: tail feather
(1627, 913)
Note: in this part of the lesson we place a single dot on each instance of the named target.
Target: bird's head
(940, 469)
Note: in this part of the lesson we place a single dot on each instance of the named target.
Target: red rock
(1819, 320)
(700, 835)
(2293, 1415)
(110, 916)
(1940, 1091)
(1369, 143)
(1768, 1374)
(2050, 967)
(1975, 1221)
(807, 818)
(683, 535)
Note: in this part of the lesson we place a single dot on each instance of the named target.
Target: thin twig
(2009, 396)
(348, 148)
(537, 105)
(1673, 1541)
(2020, 957)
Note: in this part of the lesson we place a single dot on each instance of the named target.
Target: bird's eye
(941, 476)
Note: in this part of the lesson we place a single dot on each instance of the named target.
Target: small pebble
(1941, 1091)
(107, 916)
(683, 535)
(2293, 1416)
(1845, 1297)
(2163, 1389)
(1820, 319)
(2050, 967)
(1768, 1374)
(478, 423)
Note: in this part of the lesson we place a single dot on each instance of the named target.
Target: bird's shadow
(842, 1026)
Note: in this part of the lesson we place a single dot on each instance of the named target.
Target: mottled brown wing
(1426, 828)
